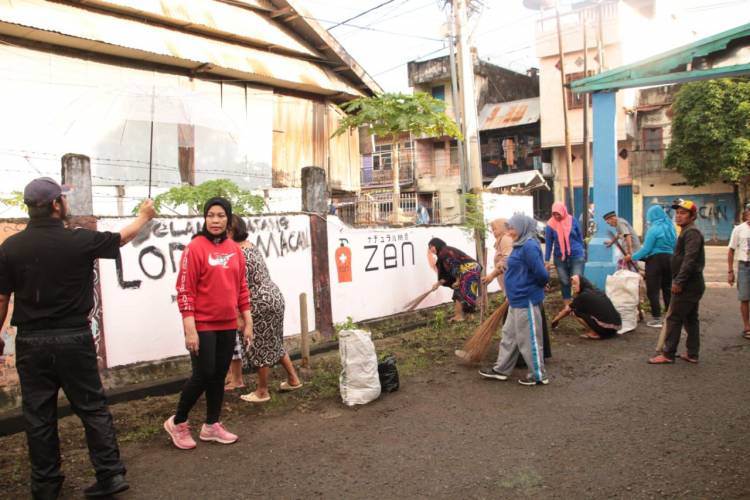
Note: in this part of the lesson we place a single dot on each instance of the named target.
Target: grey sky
(503, 32)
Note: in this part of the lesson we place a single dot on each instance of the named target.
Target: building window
(439, 92)
(575, 101)
(381, 157)
(652, 139)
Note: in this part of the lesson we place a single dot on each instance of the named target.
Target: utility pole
(470, 129)
(457, 106)
(568, 152)
(468, 99)
(600, 38)
(585, 172)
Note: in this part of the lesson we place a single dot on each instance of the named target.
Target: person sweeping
(525, 278)
(458, 271)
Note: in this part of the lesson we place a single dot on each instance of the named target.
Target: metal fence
(376, 208)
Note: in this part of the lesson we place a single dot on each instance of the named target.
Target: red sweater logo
(219, 259)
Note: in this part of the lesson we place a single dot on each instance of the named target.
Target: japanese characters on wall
(375, 272)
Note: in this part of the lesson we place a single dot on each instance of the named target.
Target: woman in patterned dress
(458, 271)
(267, 347)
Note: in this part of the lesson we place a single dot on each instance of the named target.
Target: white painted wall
(389, 265)
(143, 323)
(389, 268)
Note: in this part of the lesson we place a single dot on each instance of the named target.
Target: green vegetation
(711, 132)
(193, 197)
(14, 200)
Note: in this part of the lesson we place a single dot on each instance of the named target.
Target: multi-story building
(653, 183)
(429, 166)
(618, 32)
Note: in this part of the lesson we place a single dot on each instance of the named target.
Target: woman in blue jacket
(656, 251)
(563, 236)
(525, 278)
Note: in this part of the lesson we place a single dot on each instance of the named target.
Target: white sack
(622, 290)
(359, 382)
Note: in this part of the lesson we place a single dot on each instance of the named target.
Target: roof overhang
(520, 182)
(256, 41)
(722, 55)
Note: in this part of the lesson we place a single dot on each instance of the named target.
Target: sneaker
(531, 382)
(180, 434)
(216, 432)
(655, 323)
(490, 372)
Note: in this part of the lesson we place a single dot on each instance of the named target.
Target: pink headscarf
(562, 227)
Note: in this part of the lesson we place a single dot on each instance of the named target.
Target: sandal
(746, 334)
(231, 387)
(687, 357)
(660, 359)
(287, 387)
(590, 336)
(252, 398)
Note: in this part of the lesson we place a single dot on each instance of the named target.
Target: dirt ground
(608, 425)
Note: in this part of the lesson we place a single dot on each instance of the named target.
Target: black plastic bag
(388, 374)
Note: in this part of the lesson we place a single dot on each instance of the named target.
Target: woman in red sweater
(211, 288)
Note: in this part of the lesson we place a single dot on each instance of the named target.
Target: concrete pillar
(600, 258)
(76, 171)
(314, 199)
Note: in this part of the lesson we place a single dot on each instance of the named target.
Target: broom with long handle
(663, 333)
(411, 305)
(476, 346)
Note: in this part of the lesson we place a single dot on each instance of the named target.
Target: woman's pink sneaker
(180, 434)
(216, 432)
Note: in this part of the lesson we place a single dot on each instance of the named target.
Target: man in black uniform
(688, 286)
(50, 269)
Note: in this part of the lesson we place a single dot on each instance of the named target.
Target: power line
(361, 14)
(407, 62)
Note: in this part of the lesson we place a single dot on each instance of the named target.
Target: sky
(384, 40)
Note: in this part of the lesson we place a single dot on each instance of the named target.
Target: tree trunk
(738, 202)
(396, 214)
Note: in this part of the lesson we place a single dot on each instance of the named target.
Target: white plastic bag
(359, 382)
(622, 290)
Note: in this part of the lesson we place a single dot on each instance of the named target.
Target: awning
(509, 114)
(526, 181)
(718, 56)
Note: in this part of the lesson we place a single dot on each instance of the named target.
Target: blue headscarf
(658, 218)
(525, 228)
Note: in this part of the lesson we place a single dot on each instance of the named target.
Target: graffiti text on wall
(715, 213)
(161, 244)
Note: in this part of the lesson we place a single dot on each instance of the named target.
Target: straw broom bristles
(410, 306)
(476, 347)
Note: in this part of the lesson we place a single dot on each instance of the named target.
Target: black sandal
(746, 334)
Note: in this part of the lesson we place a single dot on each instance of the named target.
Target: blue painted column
(600, 258)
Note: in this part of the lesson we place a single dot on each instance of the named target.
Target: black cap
(43, 190)
(609, 214)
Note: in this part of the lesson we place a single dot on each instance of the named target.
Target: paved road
(608, 425)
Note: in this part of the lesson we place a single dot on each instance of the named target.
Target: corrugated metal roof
(89, 30)
(509, 114)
